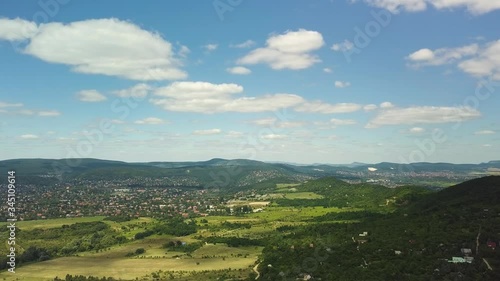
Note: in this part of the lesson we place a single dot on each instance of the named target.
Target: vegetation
(324, 229)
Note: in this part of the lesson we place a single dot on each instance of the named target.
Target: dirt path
(477, 241)
(256, 271)
(487, 264)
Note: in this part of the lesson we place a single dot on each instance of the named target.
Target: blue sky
(299, 81)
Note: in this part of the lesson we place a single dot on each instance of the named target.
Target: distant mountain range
(239, 172)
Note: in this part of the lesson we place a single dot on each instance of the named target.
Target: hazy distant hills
(239, 172)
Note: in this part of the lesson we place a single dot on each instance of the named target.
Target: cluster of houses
(92, 198)
(465, 258)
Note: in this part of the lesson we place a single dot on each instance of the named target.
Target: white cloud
(49, 113)
(475, 7)
(342, 122)
(210, 47)
(98, 46)
(326, 108)
(370, 107)
(184, 51)
(416, 130)
(5, 104)
(117, 121)
(484, 132)
(234, 134)
(290, 50)
(90, 96)
(422, 55)
(342, 84)
(29, 137)
(17, 29)
(204, 97)
(487, 145)
(274, 122)
(241, 70)
(441, 56)
(207, 132)
(327, 70)
(150, 121)
(246, 44)
(386, 105)
(423, 115)
(344, 46)
(273, 137)
(481, 61)
(264, 121)
(485, 63)
(138, 91)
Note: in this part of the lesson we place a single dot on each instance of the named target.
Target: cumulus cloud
(90, 96)
(273, 137)
(17, 29)
(138, 91)
(416, 130)
(423, 115)
(342, 84)
(344, 46)
(98, 46)
(274, 122)
(205, 97)
(485, 63)
(246, 44)
(207, 132)
(326, 108)
(327, 70)
(386, 105)
(183, 51)
(210, 47)
(49, 113)
(291, 50)
(150, 121)
(29, 137)
(484, 132)
(234, 134)
(441, 56)
(18, 109)
(370, 107)
(240, 70)
(6, 104)
(475, 7)
(342, 122)
(480, 61)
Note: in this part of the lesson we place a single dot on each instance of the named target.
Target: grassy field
(51, 223)
(214, 258)
(124, 268)
(115, 263)
(302, 195)
(286, 185)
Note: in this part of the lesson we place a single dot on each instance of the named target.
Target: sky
(301, 81)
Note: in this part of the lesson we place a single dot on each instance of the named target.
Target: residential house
(466, 251)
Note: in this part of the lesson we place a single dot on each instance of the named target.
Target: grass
(124, 268)
(51, 223)
(286, 185)
(114, 263)
(302, 195)
(209, 257)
